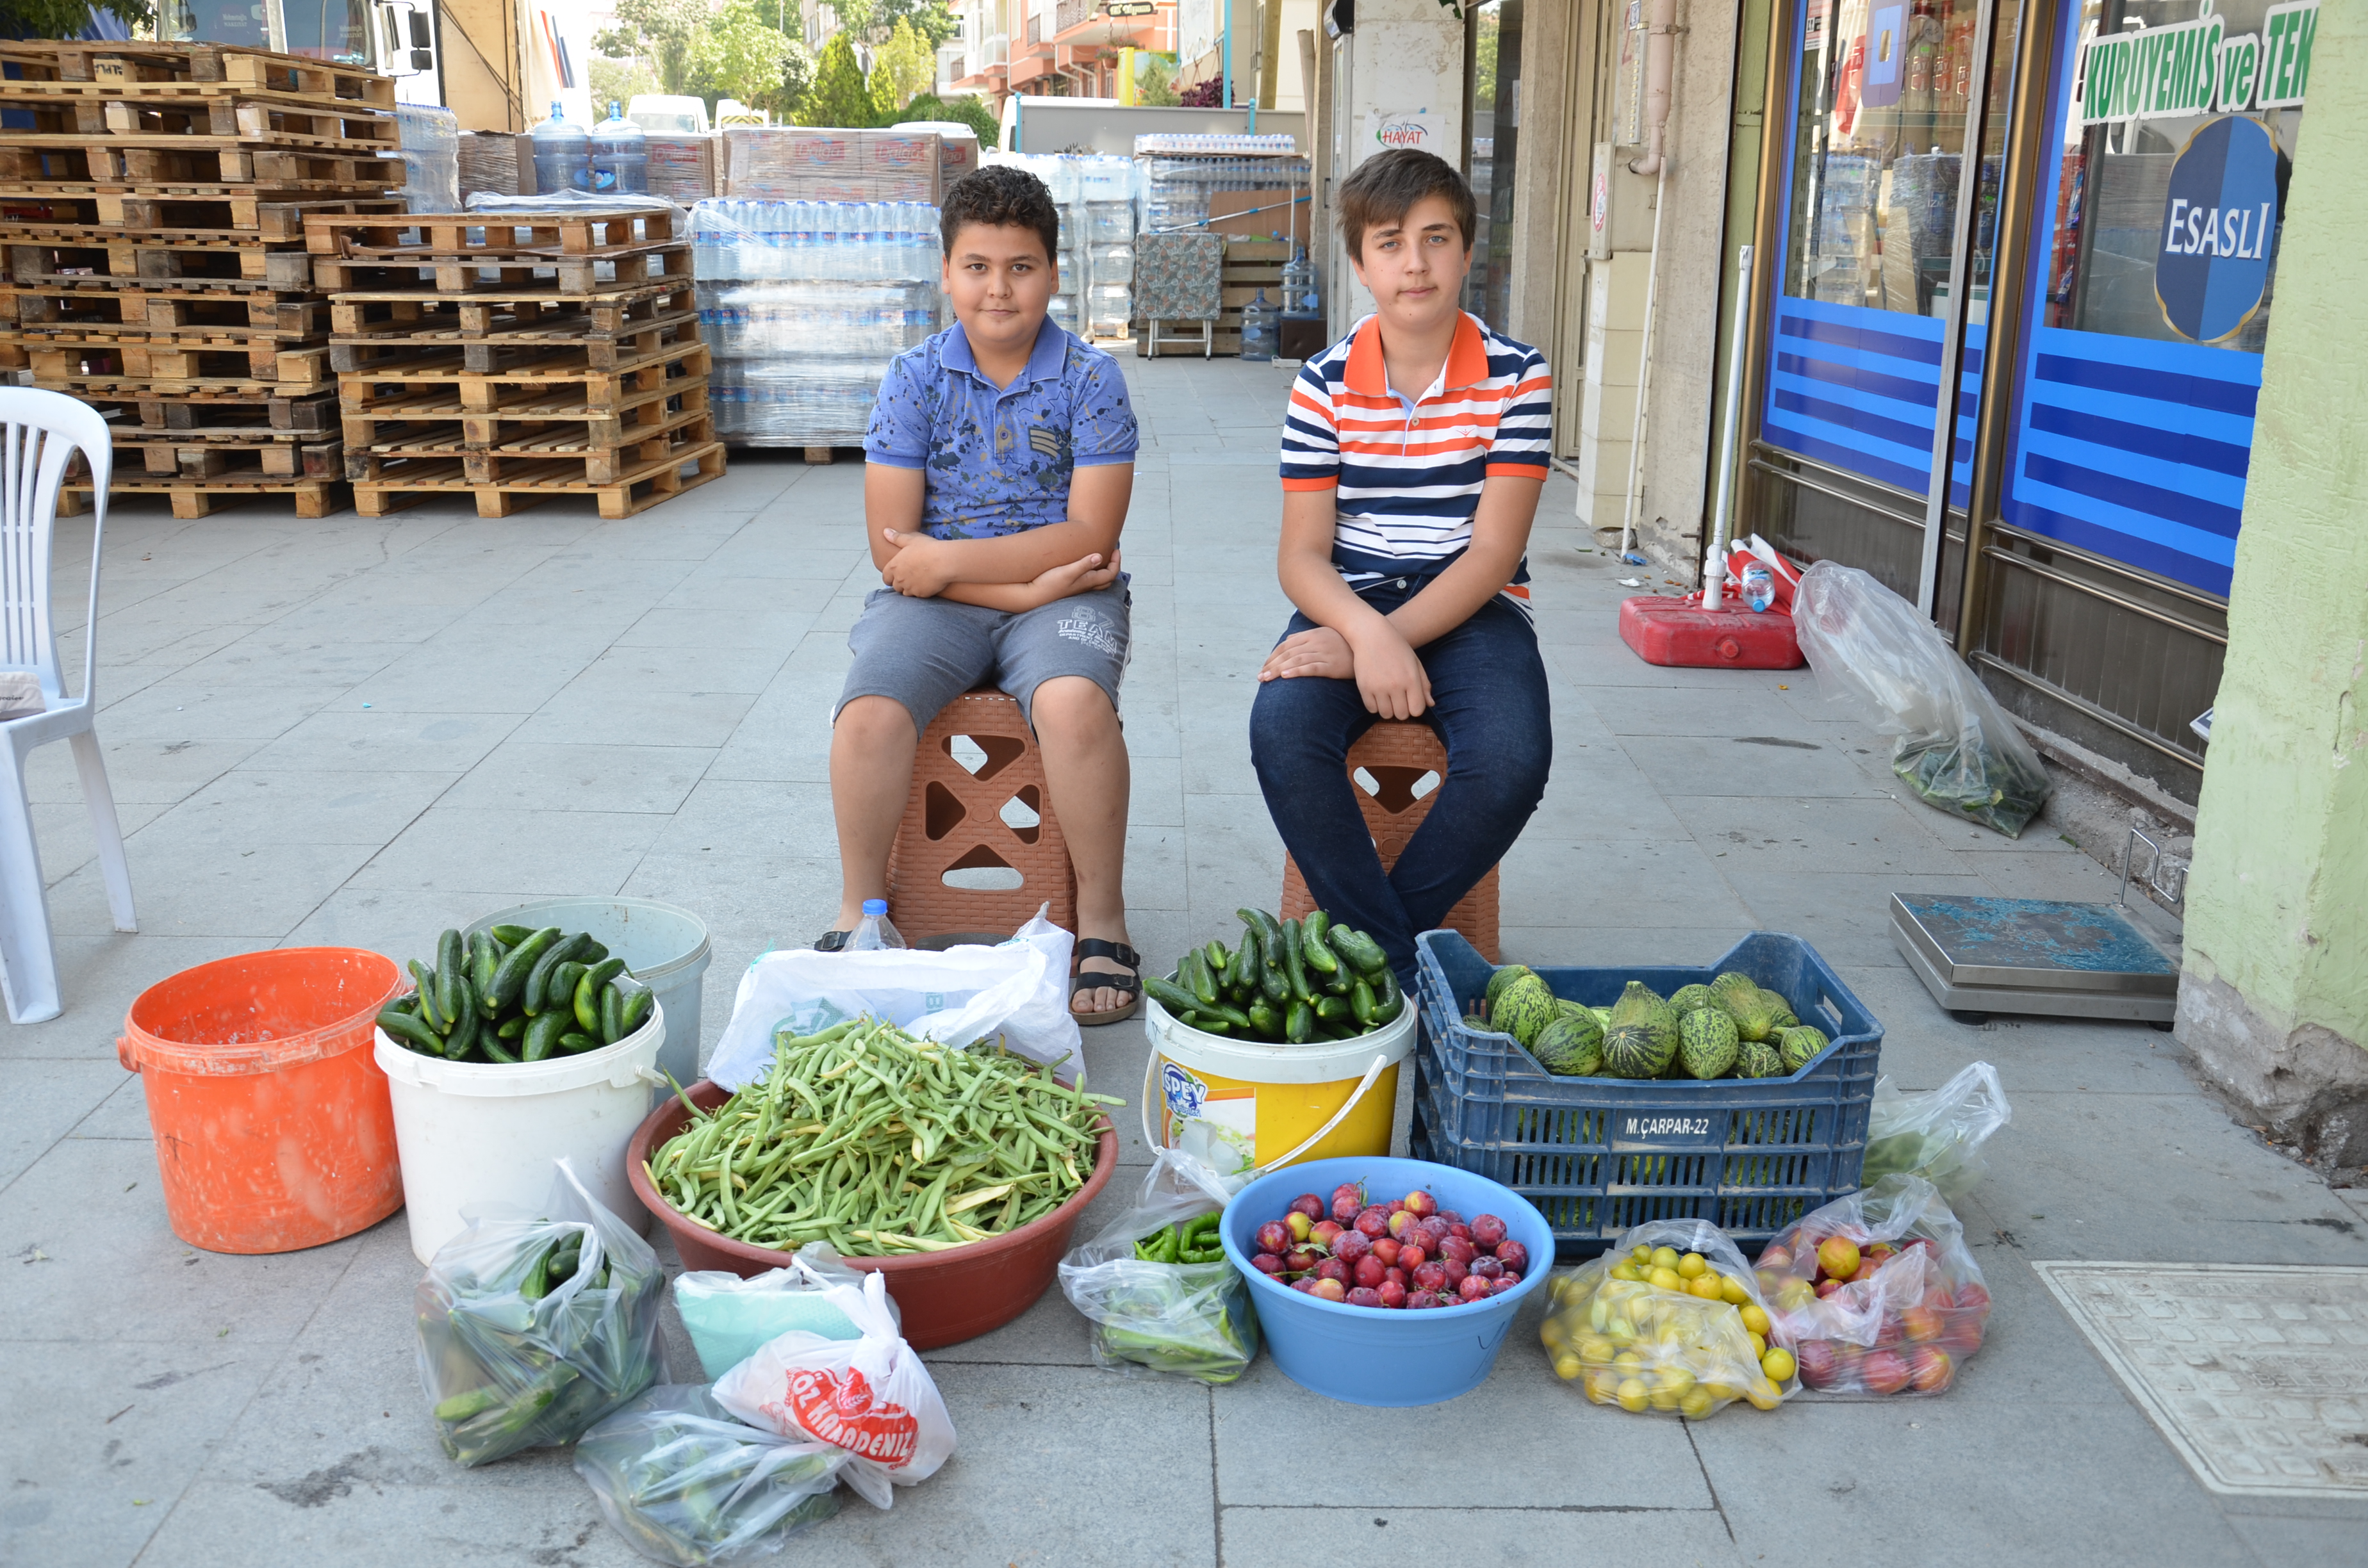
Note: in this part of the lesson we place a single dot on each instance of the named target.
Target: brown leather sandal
(1100, 980)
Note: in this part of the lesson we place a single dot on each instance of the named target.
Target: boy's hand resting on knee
(1389, 675)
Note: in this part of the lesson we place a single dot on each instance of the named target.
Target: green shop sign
(2192, 68)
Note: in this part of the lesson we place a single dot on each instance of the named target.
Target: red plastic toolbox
(1680, 631)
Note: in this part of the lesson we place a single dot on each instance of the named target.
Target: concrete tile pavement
(360, 731)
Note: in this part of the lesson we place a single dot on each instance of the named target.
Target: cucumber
(406, 1030)
(1299, 1027)
(509, 980)
(1268, 931)
(494, 1046)
(1233, 1016)
(512, 1027)
(484, 960)
(511, 935)
(1273, 985)
(574, 1040)
(1294, 966)
(1331, 1009)
(1198, 980)
(1243, 972)
(587, 993)
(542, 1036)
(451, 968)
(431, 1008)
(1359, 950)
(1360, 1002)
(466, 1024)
(634, 1010)
(1311, 950)
(1391, 1000)
(612, 1014)
(1342, 982)
(536, 997)
(1218, 958)
(1265, 1020)
(1172, 996)
(559, 990)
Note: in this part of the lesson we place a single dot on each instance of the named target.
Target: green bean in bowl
(883, 1144)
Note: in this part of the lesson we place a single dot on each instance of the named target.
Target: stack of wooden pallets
(153, 222)
(516, 358)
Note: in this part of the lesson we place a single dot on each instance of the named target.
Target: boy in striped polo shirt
(1413, 453)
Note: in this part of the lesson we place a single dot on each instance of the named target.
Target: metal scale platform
(2029, 955)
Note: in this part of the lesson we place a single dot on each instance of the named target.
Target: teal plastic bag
(729, 1318)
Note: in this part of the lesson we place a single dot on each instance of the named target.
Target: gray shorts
(925, 652)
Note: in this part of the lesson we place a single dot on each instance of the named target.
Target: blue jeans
(1490, 708)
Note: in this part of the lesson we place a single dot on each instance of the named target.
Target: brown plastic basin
(945, 1297)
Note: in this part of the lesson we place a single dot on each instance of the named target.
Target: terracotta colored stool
(953, 822)
(1397, 753)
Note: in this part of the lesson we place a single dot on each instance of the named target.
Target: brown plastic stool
(1397, 753)
(953, 821)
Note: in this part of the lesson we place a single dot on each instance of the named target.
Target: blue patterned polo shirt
(998, 460)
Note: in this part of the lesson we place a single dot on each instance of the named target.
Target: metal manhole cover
(2258, 1374)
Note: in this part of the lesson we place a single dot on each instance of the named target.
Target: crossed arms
(1017, 572)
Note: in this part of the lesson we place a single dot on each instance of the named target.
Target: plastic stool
(1397, 753)
(953, 822)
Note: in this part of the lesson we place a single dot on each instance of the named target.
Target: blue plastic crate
(1597, 1156)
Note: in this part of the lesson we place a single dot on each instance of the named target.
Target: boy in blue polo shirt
(998, 467)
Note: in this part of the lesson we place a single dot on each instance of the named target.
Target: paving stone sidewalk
(362, 731)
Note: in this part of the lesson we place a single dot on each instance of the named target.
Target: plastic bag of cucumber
(1290, 982)
(511, 995)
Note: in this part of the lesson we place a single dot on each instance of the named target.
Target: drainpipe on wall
(1660, 66)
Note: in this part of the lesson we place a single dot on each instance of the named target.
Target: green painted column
(2274, 997)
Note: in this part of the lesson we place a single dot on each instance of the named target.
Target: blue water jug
(562, 154)
(621, 156)
(1258, 331)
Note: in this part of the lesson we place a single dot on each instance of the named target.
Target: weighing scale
(2030, 955)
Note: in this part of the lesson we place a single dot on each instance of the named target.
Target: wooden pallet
(39, 255)
(362, 128)
(158, 414)
(258, 212)
(505, 278)
(201, 497)
(459, 236)
(561, 346)
(125, 64)
(483, 392)
(634, 492)
(435, 415)
(489, 312)
(231, 452)
(48, 170)
(172, 363)
(164, 310)
(602, 463)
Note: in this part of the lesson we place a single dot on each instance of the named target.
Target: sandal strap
(1127, 985)
(831, 941)
(1100, 948)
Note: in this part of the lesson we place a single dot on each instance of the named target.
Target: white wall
(1404, 55)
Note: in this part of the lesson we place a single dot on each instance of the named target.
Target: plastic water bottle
(562, 154)
(1759, 585)
(621, 156)
(1258, 329)
(873, 932)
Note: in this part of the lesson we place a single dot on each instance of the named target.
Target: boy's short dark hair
(1384, 188)
(1002, 196)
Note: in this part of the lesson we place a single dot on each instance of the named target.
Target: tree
(839, 96)
(620, 81)
(66, 18)
(743, 56)
(875, 21)
(661, 32)
(1155, 82)
(901, 67)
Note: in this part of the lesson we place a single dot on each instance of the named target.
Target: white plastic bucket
(472, 1132)
(1244, 1107)
(663, 948)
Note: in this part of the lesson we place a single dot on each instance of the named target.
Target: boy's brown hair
(1384, 188)
(1001, 196)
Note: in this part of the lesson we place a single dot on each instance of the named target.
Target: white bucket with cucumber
(1279, 1050)
(663, 946)
(517, 1048)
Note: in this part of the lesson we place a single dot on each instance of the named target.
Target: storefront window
(1493, 88)
(2171, 135)
(1878, 146)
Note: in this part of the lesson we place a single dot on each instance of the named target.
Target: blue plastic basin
(1370, 1354)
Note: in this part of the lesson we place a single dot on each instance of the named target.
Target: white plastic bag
(871, 1396)
(534, 1326)
(1647, 1347)
(1191, 1319)
(1956, 749)
(730, 1319)
(1939, 1134)
(685, 1484)
(1019, 989)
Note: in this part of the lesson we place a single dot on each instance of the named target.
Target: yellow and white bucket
(1243, 1106)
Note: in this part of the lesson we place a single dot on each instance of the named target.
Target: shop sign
(2192, 68)
(1129, 8)
(1412, 129)
(2219, 216)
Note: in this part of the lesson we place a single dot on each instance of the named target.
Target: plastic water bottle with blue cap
(873, 931)
(1759, 585)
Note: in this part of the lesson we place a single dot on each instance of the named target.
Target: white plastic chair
(38, 432)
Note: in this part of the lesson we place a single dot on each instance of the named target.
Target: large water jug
(562, 154)
(1300, 299)
(621, 156)
(1259, 329)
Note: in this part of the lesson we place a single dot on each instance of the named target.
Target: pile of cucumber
(1289, 982)
(513, 994)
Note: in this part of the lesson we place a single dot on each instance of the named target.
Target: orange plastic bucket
(273, 1127)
